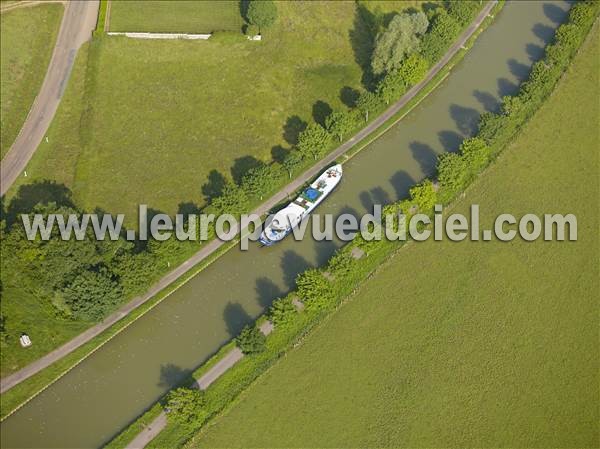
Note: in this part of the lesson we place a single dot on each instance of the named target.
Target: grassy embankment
(161, 115)
(491, 344)
(27, 39)
(58, 158)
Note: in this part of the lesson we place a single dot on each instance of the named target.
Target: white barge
(290, 216)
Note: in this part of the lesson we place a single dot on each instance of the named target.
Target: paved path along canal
(91, 403)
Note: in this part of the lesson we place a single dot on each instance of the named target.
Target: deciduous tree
(398, 40)
(313, 141)
(262, 13)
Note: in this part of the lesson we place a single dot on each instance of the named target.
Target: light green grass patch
(27, 38)
(461, 344)
(172, 16)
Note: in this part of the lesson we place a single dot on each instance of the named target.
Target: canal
(90, 404)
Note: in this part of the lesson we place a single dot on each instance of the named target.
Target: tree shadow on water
(401, 181)
(535, 52)
(466, 119)
(554, 13)
(292, 264)
(325, 249)
(543, 32)
(424, 155)
(450, 140)
(172, 376)
(235, 317)
(519, 70)
(370, 198)
(487, 100)
(267, 291)
(506, 87)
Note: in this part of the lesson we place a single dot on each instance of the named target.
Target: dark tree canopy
(262, 13)
(399, 39)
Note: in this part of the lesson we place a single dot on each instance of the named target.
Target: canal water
(95, 400)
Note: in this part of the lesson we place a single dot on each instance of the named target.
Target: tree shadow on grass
(279, 153)
(349, 96)
(39, 192)
(292, 128)
(320, 112)
(242, 165)
(214, 185)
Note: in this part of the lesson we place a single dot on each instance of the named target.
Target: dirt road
(79, 20)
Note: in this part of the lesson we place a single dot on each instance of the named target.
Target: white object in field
(256, 37)
(25, 340)
(46, 139)
(26, 173)
(161, 35)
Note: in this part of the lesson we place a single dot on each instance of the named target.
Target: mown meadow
(27, 38)
(461, 343)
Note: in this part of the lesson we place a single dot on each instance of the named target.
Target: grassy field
(27, 40)
(162, 115)
(462, 344)
(172, 16)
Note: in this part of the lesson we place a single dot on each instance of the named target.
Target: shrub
(368, 102)
(259, 180)
(233, 200)
(251, 340)
(314, 289)
(185, 406)
(282, 312)
(424, 195)
(442, 31)
(463, 11)
(340, 123)
(313, 141)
